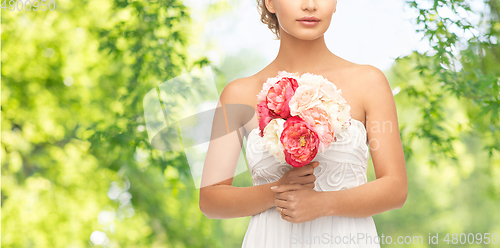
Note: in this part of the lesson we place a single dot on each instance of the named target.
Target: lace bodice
(342, 165)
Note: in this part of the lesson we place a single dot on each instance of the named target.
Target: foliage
(450, 196)
(448, 102)
(473, 75)
(76, 163)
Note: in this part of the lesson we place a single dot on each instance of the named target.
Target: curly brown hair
(268, 18)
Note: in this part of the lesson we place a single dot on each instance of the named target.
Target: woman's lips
(309, 23)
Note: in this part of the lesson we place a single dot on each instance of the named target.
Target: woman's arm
(369, 199)
(218, 198)
(389, 190)
(226, 201)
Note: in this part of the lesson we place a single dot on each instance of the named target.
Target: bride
(327, 203)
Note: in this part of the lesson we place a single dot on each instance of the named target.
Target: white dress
(342, 166)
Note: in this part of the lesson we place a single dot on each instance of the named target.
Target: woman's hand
(299, 203)
(301, 175)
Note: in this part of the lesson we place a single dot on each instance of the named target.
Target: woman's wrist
(327, 199)
(271, 193)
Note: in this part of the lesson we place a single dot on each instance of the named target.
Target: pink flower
(306, 96)
(279, 96)
(264, 116)
(320, 120)
(300, 141)
(262, 96)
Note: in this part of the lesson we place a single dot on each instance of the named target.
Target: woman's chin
(302, 33)
(309, 35)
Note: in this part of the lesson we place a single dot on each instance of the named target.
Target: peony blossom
(312, 80)
(341, 117)
(272, 143)
(319, 119)
(264, 116)
(306, 96)
(262, 96)
(300, 142)
(279, 95)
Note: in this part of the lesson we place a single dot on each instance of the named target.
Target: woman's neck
(302, 56)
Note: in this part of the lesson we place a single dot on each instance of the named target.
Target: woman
(327, 203)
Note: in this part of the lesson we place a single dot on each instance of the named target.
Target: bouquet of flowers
(300, 116)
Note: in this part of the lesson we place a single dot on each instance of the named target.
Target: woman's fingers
(282, 211)
(280, 203)
(309, 185)
(308, 179)
(302, 171)
(307, 169)
(301, 175)
(311, 178)
(281, 197)
(314, 164)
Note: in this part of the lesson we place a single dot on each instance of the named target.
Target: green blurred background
(78, 170)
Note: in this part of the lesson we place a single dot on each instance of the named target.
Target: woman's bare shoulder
(361, 76)
(370, 78)
(239, 98)
(242, 90)
(237, 91)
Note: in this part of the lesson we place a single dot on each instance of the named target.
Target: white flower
(312, 80)
(282, 74)
(271, 139)
(340, 116)
(331, 93)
